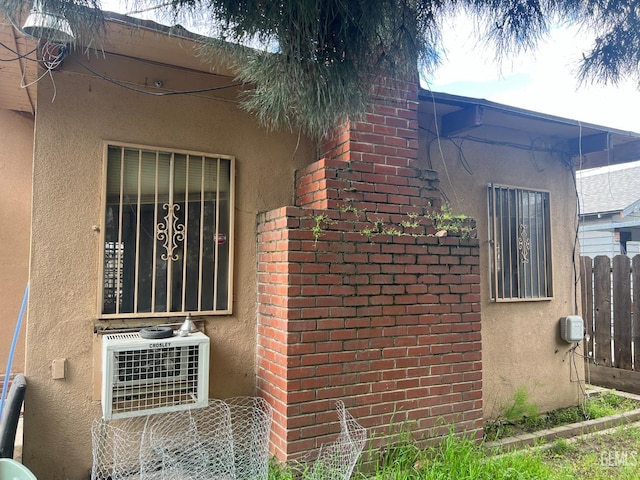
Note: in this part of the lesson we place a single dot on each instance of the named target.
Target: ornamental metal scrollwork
(163, 229)
(524, 244)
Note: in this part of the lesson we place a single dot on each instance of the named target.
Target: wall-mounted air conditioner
(142, 376)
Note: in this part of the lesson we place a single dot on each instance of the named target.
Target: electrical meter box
(572, 328)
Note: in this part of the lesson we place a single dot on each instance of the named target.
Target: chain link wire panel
(223, 441)
(116, 448)
(193, 444)
(337, 460)
(251, 423)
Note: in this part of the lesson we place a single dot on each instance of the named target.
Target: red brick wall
(358, 299)
(380, 151)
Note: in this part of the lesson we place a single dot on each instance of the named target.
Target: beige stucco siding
(16, 153)
(68, 169)
(520, 340)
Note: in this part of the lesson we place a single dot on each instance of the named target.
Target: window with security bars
(520, 237)
(168, 232)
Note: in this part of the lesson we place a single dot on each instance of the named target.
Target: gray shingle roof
(608, 189)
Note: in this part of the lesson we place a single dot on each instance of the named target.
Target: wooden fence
(611, 310)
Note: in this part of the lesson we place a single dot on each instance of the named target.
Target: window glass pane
(146, 257)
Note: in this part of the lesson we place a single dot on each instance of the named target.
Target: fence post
(586, 294)
(635, 272)
(622, 311)
(602, 309)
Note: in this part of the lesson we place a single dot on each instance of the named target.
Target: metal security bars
(167, 233)
(520, 239)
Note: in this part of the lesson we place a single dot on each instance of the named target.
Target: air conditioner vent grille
(121, 336)
(151, 376)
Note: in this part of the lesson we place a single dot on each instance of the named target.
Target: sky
(543, 81)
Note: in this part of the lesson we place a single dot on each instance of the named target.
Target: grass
(614, 454)
(600, 456)
(604, 456)
(522, 419)
(457, 458)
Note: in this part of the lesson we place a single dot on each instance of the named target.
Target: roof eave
(462, 101)
(630, 208)
(586, 145)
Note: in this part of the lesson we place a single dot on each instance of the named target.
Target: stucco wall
(16, 153)
(520, 340)
(65, 245)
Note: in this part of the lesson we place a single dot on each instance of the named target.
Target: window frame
(494, 245)
(102, 246)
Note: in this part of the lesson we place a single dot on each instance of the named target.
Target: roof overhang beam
(598, 142)
(462, 120)
(621, 153)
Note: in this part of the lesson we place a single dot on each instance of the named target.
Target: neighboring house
(322, 278)
(610, 210)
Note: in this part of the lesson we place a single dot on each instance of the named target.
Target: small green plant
(287, 471)
(348, 207)
(376, 227)
(401, 457)
(497, 430)
(611, 398)
(520, 408)
(563, 416)
(280, 471)
(607, 404)
(519, 413)
(534, 422)
(411, 222)
(321, 221)
(367, 232)
(594, 407)
(561, 446)
(448, 223)
(443, 220)
(394, 232)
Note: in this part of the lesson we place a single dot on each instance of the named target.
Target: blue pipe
(16, 334)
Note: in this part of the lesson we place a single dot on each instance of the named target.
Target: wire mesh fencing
(192, 444)
(251, 425)
(116, 448)
(337, 460)
(223, 441)
(227, 440)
